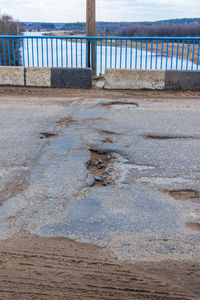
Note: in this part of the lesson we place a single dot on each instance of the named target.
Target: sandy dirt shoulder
(95, 92)
(56, 268)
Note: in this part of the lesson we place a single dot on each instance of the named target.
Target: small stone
(101, 166)
(108, 157)
(125, 243)
(97, 178)
(100, 161)
(90, 180)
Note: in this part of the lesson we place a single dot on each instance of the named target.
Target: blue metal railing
(110, 52)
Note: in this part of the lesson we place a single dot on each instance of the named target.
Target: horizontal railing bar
(100, 38)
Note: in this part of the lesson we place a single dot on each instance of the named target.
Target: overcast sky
(107, 10)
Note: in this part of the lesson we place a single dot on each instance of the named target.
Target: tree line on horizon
(173, 27)
(161, 30)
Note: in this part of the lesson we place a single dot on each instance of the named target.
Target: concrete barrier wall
(182, 80)
(11, 75)
(72, 78)
(114, 78)
(46, 77)
(152, 79)
(38, 77)
(134, 79)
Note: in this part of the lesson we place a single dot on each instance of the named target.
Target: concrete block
(182, 80)
(134, 79)
(71, 77)
(12, 76)
(38, 77)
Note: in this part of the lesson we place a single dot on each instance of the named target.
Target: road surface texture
(99, 194)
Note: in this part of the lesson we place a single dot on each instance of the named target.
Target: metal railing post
(90, 32)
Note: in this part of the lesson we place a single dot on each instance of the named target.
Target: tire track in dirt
(58, 268)
(96, 93)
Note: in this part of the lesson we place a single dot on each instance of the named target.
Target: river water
(66, 54)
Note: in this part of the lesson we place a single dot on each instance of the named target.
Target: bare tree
(8, 47)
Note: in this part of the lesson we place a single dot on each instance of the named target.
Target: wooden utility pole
(91, 31)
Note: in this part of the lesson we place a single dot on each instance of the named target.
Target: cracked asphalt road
(47, 189)
(99, 196)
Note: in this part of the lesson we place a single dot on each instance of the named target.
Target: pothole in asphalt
(16, 186)
(64, 122)
(95, 119)
(47, 135)
(183, 195)
(101, 167)
(108, 140)
(168, 137)
(106, 132)
(193, 226)
(120, 103)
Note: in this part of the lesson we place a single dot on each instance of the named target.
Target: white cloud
(113, 10)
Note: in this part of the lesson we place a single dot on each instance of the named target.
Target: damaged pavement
(119, 174)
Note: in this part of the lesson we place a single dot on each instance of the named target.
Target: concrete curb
(46, 77)
(152, 80)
